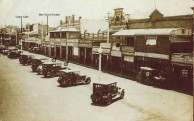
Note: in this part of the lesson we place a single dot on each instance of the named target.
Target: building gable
(156, 15)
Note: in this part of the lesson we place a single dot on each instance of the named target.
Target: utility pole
(108, 33)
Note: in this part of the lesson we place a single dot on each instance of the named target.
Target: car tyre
(52, 73)
(88, 80)
(109, 99)
(122, 94)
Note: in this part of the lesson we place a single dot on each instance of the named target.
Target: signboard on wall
(182, 58)
(75, 51)
(105, 45)
(152, 55)
(116, 53)
(129, 58)
(85, 45)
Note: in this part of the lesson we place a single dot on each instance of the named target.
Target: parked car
(5, 51)
(34, 50)
(150, 76)
(106, 93)
(25, 59)
(36, 62)
(14, 54)
(52, 68)
(2, 47)
(72, 77)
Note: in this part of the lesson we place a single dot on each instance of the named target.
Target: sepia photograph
(96, 60)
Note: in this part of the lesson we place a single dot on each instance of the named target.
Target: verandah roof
(133, 32)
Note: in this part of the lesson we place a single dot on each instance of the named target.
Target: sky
(87, 9)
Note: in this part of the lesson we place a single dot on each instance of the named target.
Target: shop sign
(104, 51)
(127, 49)
(72, 44)
(179, 58)
(128, 53)
(152, 55)
(86, 41)
(52, 43)
(72, 41)
(116, 53)
(105, 45)
(85, 45)
(129, 58)
(184, 73)
(63, 44)
(95, 50)
(57, 43)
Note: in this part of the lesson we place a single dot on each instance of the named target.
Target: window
(151, 42)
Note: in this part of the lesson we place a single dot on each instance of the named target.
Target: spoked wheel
(109, 100)
(33, 68)
(148, 81)
(64, 82)
(94, 100)
(52, 73)
(88, 80)
(60, 80)
(122, 94)
(138, 78)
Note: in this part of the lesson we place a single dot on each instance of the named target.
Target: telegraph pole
(108, 33)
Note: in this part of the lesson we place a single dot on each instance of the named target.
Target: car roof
(147, 68)
(68, 71)
(51, 63)
(41, 58)
(104, 83)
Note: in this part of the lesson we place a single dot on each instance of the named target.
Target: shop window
(151, 42)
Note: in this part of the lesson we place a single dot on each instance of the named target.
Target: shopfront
(182, 64)
(73, 51)
(85, 52)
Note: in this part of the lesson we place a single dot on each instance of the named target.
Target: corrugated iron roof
(132, 32)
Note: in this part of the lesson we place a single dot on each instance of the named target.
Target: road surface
(25, 96)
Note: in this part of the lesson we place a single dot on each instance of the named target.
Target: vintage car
(72, 77)
(5, 51)
(14, 54)
(25, 59)
(150, 76)
(52, 68)
(34, 50)
(35, 62)
(106, 93)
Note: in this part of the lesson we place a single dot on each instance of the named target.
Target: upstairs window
(151, 42)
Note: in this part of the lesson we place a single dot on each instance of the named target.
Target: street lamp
(100, 58)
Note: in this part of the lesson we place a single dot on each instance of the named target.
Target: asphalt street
(26, 96)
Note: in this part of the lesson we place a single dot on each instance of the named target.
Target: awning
(66, 30)
(132, 32)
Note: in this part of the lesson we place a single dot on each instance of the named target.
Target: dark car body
(35, 62)
(52, 68)
(14, 54)
(106, 93)
(34, 50)
(150, 76)
(25, 59)
(72, 77)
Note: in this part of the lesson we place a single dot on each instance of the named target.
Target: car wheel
(60, 79)
(148, 81)
(64, 82)
(138, 78)
(109, 100)
(33, 68)
(52, 73)
(94, 99)
(88, 80)
(122, 94)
